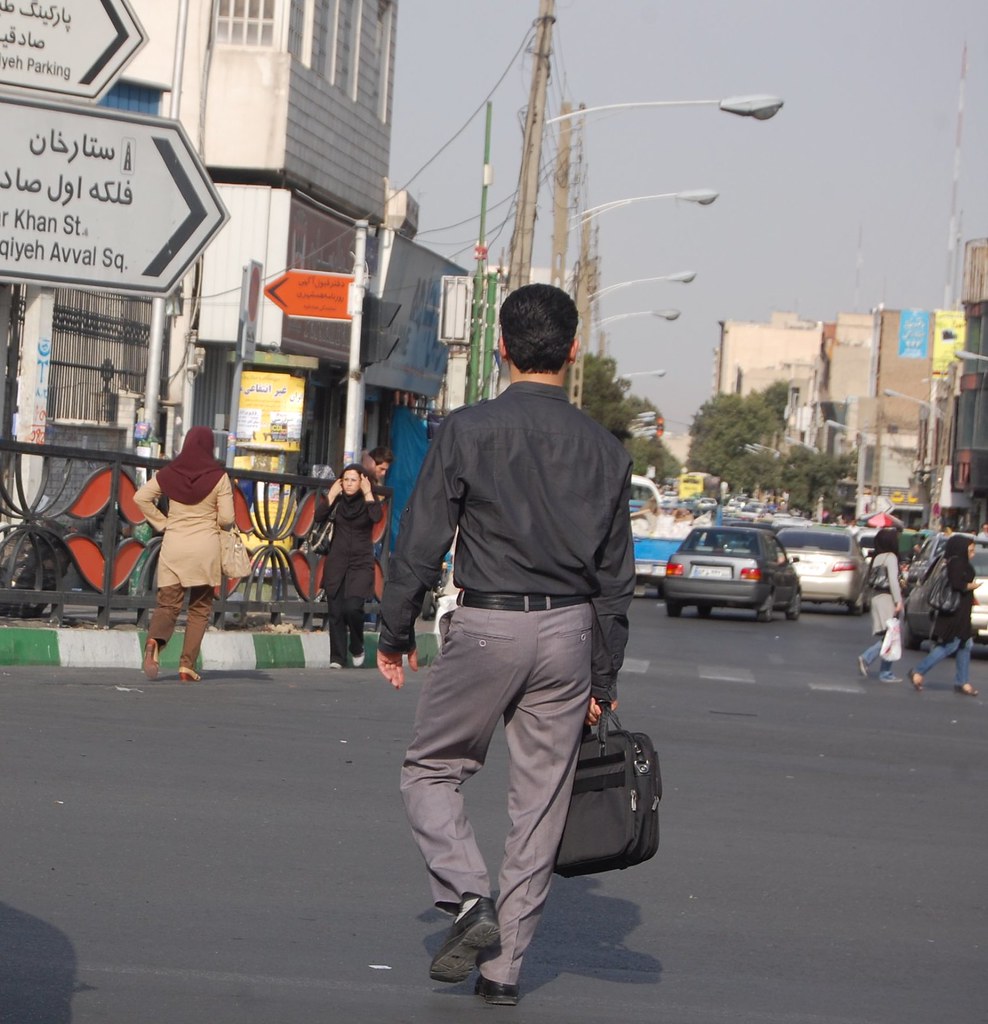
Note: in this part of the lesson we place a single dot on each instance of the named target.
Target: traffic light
(660, 426)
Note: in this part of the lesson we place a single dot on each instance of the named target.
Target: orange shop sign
(312, 294)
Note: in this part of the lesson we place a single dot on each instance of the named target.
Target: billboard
(270, 412)
(949, 335)
(914, 334)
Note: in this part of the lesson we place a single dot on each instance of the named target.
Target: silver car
(830, 564)
(731, 567)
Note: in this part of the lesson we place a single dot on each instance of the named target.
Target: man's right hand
(391, 666)
(593, 712)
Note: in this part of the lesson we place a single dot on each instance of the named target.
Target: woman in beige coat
(200, 504)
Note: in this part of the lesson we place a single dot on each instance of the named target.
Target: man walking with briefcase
(537, 495)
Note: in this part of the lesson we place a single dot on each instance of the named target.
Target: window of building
(124, 96)
(245, 22)
(346, 51)
(353, 67)
(296, 31)
(385, 29)
(324, 32)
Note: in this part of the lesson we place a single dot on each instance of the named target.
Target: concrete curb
(108, 648)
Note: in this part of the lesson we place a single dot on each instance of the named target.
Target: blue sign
(914, 334)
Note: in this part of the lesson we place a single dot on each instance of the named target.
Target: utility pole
(520, 264)
(586, 285)
(156, 331)
(560, 224)
(953, 235)
(353, 430)
(560, 238)
(474, 368)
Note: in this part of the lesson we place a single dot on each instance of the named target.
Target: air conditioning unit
(401, 213)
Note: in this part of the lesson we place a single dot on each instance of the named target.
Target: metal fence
(73, 543)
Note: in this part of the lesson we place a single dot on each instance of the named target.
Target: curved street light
(663, 314)
(683, 277)
(796, 443)
(759, 107)
(641, 373)
(700, 196)
(964, 354)
(892, 393)
(762, 449)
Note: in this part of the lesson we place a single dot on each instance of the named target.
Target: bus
(691, 485)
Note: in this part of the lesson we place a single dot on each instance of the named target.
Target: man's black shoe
(495, 993)
(476, 930)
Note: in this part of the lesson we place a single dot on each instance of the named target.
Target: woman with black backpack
(952, 630)
(886, 599)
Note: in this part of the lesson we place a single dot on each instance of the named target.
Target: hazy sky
(840, 202)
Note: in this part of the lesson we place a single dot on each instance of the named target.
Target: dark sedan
(732, 567)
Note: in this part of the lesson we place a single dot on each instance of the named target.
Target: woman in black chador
(348, 577)
(952, 633)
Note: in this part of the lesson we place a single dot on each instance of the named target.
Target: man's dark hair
(538, 325)
(382, 454)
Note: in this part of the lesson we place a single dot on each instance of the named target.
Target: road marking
(725, 673)
(639, 666)
(838, 687)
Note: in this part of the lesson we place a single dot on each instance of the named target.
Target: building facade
(288, 103)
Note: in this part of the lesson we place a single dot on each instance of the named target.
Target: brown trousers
(165, 617)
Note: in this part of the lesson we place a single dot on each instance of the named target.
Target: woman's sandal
(151, 659)
(917, 680)
(966, 690)
(189, 675)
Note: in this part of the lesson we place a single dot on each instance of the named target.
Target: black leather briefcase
(613, 819)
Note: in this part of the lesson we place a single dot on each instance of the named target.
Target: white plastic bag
(892, 643)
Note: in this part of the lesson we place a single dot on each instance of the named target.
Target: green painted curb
(29, 647)
(278, 651)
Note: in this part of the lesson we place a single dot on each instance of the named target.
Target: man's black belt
(520, 602)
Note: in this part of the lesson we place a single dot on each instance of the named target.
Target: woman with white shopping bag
(886, 604)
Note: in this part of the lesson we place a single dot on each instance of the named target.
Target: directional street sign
(312, 295)
(71, 48)
(93, 198)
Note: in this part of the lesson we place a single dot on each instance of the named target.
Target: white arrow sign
(94, 198)
(72, 48)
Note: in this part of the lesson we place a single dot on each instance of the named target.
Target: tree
(738, 439)
(720, 431)
(606, 400)
(812, 477)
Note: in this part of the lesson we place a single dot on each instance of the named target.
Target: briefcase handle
(608, 720)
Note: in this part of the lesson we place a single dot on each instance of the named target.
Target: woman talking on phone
(348, 577)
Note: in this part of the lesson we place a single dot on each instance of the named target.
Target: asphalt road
(236, 852)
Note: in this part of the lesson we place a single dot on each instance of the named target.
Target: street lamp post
(759, 107)
(926, 466)
(796, 443)
(662, 314)
(641, 373)
(700, 196)
(682, 277)
(762, 449)
(892, 393)
(975, 356)
(860, 475)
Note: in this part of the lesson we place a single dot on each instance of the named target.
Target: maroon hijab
(193, 473)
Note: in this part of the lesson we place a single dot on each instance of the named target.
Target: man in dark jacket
(536, 495)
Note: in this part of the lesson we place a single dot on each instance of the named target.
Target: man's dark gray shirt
(538, 493)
